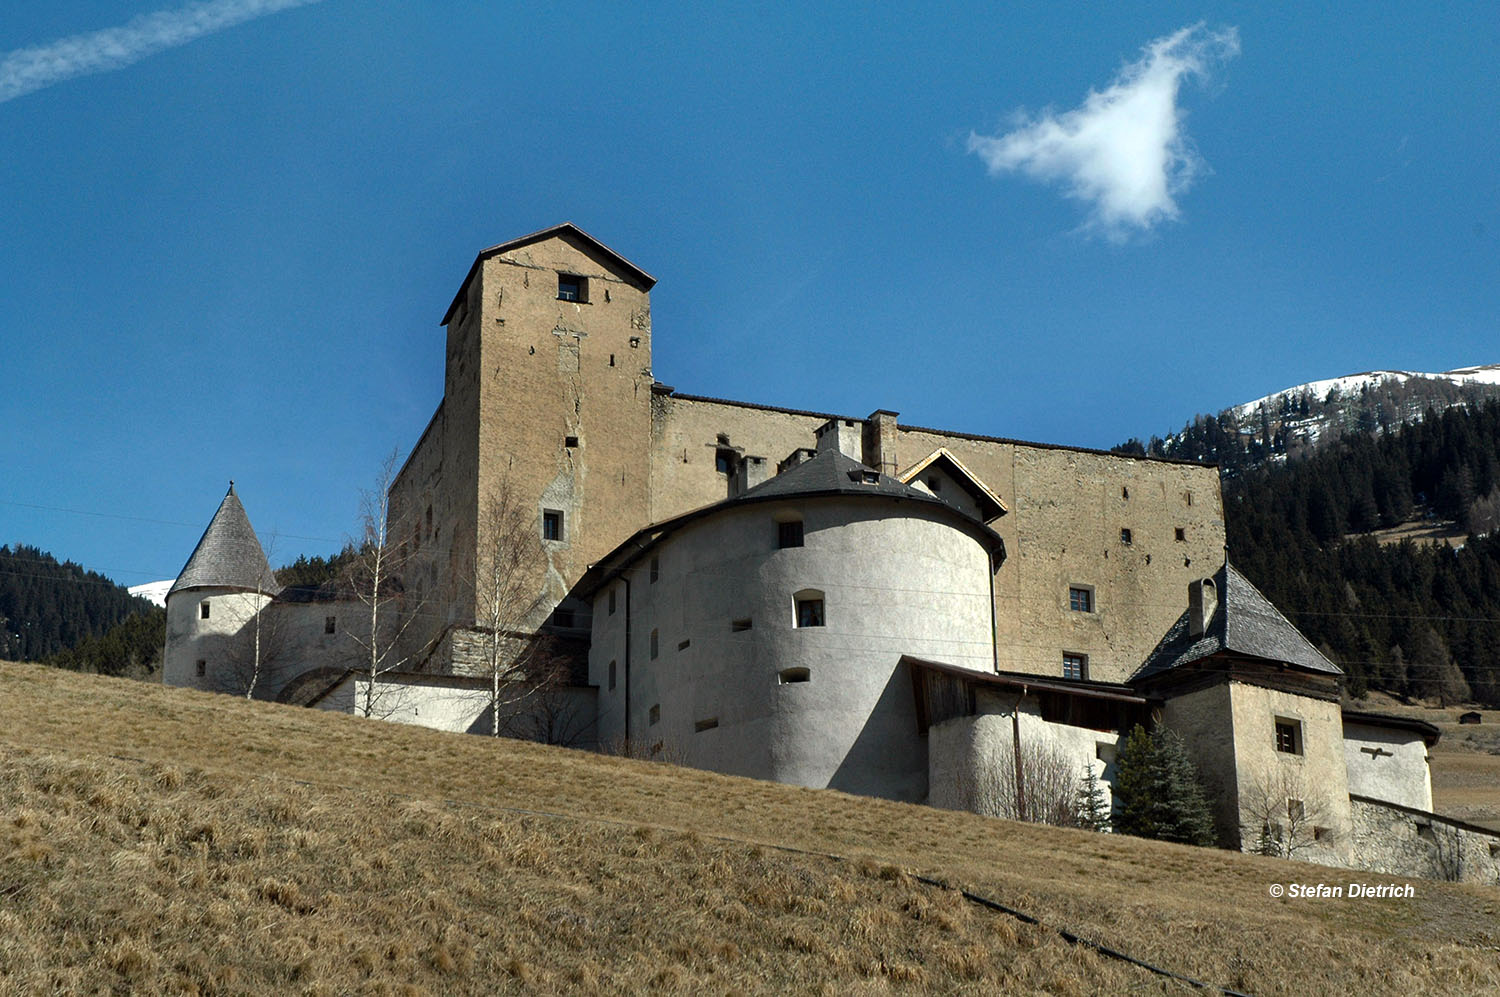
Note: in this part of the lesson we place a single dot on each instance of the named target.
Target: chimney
(880, 441)
(1203, 601)
(841, 435)
(750, 472)
(794, 458)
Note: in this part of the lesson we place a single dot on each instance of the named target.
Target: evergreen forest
(47, 606)
(1413, 618)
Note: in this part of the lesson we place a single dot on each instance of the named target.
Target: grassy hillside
(165, 840)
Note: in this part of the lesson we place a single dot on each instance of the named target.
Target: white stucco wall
(462, 706)
(224, 642)
(896, 577)
(961, 751)
(1388, 764)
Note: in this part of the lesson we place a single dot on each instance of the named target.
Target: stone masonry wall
(1064, 528)
(1406, 842)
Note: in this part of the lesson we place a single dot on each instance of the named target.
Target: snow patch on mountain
(1353, 383)
(155, 592)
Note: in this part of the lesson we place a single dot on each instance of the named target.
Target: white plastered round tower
(766, 633)
(213, 605)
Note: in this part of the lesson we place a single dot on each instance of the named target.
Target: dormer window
(869, 477)
(571, 287)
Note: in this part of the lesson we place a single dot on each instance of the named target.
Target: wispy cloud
(1122, 151)
(28, 69)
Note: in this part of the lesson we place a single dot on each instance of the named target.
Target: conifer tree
(1159, 792)
(1093, 809)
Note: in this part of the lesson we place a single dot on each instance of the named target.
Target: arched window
(809, 610)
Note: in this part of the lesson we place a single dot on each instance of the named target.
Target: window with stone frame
(1288, 736)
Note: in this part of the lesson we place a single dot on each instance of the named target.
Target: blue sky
(230, 228)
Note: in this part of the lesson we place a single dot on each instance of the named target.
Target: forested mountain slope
(47, 606)
(1417, 619)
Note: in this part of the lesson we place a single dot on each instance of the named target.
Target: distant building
(813, 598)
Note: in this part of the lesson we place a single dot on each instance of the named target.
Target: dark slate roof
(1244, 623)
(827, 473)
(830, 472)
(229, 555)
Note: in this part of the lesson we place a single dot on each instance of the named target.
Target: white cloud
(27, 69)
(1122, 151)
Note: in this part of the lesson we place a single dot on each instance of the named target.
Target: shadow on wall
(888, 758)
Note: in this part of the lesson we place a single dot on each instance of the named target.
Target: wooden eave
(990, 505)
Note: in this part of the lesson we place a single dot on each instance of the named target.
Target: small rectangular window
(683, 645)
(330, 624)
(571, 287)
(1125, 537)
(203, 611)
(1081, 600)
(1295, 810)
(789, 534)
(202, 667)
(1288, 736)
(703, 725)
(562, 617)
(570, 442)
(736, 626)
(1180, 534)
(654, 716)
(810, 612)
(552, 525)
(653, 644)
(611, 602)
(611, 675)
(790, 676)
(1075, 666)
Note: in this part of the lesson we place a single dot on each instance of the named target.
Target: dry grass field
(166, 841)
(1465, 761)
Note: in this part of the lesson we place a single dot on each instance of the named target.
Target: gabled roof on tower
(229, 555)
(1244, 623)
(639, 276)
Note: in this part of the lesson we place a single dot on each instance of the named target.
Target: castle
(809, 597)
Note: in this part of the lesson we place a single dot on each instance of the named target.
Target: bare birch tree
(375, 580)
(509, 603)
(1281, 813)
(257, 650)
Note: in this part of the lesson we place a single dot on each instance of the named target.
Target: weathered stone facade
(527, 372)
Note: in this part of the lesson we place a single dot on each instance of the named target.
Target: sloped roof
(990, 505)
(1245, 623)
(829, 473)
(638, 276)
(228, 555)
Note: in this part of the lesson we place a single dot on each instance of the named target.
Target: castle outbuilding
(814, 598)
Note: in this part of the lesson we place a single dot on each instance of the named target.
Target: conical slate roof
(229, 555)
(1246, 623)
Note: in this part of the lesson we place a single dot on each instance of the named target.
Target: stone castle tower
(547, 401)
